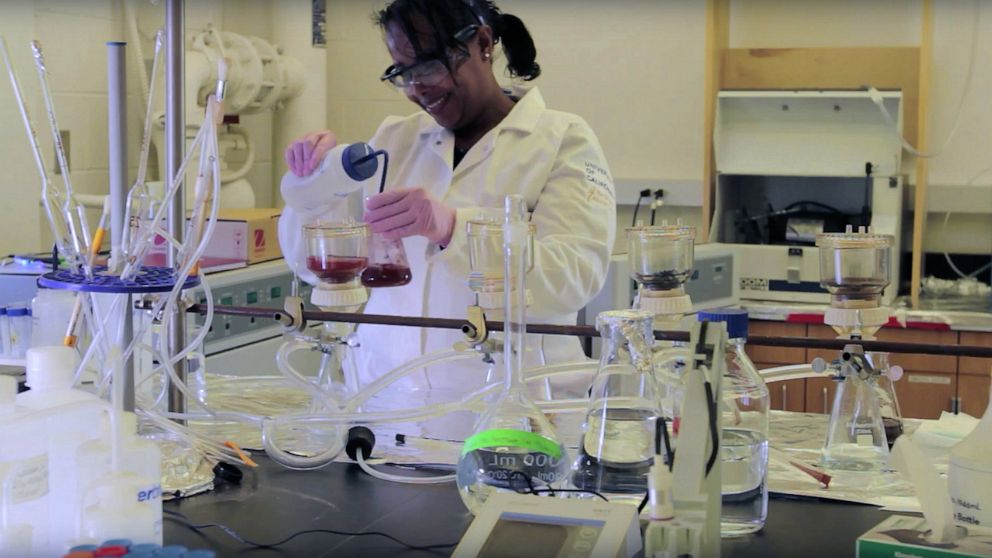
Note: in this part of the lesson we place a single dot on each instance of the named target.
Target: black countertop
(272, 503)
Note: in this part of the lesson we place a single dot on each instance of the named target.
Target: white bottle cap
(51, 367)
(8, 391)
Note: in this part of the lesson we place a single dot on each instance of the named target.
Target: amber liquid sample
(386, 275)
(336, 269)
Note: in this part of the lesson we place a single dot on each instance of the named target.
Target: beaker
(514, 447)
(617, 445)
(337, 252)
(855, 434)
(388, 266)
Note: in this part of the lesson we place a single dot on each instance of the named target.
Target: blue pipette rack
(148, 280)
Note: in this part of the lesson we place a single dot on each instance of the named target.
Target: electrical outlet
(64, 135)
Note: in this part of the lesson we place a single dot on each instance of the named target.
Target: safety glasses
(433, 70)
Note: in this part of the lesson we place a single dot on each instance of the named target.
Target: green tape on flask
(499, 438)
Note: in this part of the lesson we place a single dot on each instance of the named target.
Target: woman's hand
(408, 212)
(305, 154)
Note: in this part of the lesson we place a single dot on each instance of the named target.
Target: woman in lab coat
(456, 159)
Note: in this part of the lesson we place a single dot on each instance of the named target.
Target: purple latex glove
(304, 155)
(408, 212)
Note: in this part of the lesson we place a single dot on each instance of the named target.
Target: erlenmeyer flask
(617, 445)
(855, 434)
(514, 447)
(388, 266)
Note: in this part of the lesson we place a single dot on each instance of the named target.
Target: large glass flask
(617, 444)
(855, 434)
(744, 417)
(388, 265)
(514, 447)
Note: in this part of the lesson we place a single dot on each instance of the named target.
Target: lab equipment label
(26, 479)
(512, 438)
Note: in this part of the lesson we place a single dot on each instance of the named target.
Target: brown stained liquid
(386, 275)
(335, 269)
(893, 429)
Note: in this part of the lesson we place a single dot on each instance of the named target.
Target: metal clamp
(292, 316)
(475, 330)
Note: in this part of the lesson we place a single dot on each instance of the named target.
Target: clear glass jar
(618, 437)
(661, 257)
(744, 444)
(854, 266)
(337, 253)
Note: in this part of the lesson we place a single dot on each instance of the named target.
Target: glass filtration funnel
(854, 268)
(661, 261)
(617, 445)
(337, 253)
(514, 448)
(485, 258)
(856, 438)
(388, 265)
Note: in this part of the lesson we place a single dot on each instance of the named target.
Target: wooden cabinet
(929, 384)
(789, 395)
(974, 376)
(820, 394)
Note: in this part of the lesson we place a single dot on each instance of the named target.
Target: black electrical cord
(182, 519)
(637, 206)
(812, 203)
(531, 489)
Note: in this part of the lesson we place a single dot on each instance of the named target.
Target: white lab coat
(551, 158)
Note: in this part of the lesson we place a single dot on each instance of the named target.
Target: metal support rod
(175, 145)
(277, 314)
(117, 172)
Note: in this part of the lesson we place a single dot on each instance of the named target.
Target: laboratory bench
(272, 503)
(931, 383)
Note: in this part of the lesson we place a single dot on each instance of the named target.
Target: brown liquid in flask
(388, 266)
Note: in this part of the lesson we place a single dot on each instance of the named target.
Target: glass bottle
(514, 448)
(744, 419)
(388, 265)
(617, 445)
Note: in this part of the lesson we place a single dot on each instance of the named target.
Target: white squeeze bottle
(24, 497)
(140, 458)
(72, 417)
(969, 475)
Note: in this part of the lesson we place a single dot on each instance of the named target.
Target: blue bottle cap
(140, 554)
(200, 554)
(84, 548)
(118, 542)
(735, 319)
(3, 310)
(17, 311)
(145, 547)
(172, 550)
